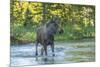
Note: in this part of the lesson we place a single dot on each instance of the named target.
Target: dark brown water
(65, 52)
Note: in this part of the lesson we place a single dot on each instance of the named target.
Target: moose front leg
(52, 47)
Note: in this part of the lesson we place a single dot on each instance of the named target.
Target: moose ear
(57, 20)
(54, 18)
(50, 21)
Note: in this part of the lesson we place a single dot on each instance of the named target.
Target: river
(65, 52)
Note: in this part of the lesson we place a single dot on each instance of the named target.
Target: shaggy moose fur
(45, 35)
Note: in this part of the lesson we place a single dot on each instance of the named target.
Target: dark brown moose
(45, 35)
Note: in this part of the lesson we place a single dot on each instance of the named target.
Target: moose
(45, 35)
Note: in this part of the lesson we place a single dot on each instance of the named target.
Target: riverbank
(68, 41)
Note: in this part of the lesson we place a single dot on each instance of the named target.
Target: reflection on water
(45, 60)
(65, 52)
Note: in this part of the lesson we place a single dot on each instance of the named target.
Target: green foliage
(78, 21)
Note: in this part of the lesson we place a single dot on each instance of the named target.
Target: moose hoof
(53, 55)
(36, 54)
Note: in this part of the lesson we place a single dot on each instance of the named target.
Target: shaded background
(78, 21)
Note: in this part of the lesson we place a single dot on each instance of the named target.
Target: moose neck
(51, 29)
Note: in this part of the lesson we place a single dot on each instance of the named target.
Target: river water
(65, 52)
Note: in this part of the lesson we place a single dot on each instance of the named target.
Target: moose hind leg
(45, 49)
(36, 53)
(42, 50)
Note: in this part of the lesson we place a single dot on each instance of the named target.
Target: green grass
(70, 33)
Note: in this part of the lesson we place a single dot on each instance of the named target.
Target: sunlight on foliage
(78, 21)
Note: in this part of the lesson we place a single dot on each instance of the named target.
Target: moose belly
(48, 42)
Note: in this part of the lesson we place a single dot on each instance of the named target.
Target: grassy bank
(21, 35)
